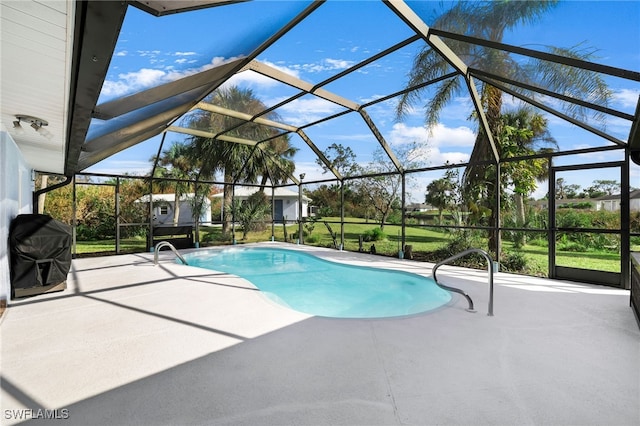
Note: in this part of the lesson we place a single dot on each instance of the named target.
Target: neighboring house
(419, 207)
(544, 204)
(285, 201)
(163, 209)
(611, 203)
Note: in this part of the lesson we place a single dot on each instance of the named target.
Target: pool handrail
(457, 290)
(162, 244)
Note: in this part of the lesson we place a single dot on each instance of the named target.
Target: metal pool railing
(457, 290)
(162, 244)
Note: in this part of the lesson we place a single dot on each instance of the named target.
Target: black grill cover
(40, 251)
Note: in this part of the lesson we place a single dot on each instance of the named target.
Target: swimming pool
(308, 284)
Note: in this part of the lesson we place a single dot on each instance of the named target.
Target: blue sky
(152, 50)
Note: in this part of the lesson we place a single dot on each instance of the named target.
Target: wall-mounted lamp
(35, 122)
(17, 128)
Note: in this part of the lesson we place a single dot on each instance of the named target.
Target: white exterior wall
(185, 216)
(614, 205)
(289, 201)
(16, 188)
(290, 208)
(610, 205)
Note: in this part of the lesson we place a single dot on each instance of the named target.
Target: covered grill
(40, 254)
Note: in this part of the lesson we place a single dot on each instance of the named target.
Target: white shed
(163, 209)
(285, 201)
(612, 202)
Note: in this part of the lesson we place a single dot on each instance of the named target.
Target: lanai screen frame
(200, 85)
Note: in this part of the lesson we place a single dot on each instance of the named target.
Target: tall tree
(440, 194)
(490, 20)
(328, 197)
(602, 187)
(342, 158)
(523, 132)
(237, 161)
(382, 190)
(278, 160)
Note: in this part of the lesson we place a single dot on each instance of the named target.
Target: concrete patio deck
(133, 343)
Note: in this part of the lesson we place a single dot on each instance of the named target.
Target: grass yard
(423, 240)
(127, 245)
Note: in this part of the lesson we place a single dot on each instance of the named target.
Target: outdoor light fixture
(35, 122)
(17, 128)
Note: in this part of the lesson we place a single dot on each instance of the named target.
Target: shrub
(294, 235)
(539, 242)
(374, 234)
(571, 246)
(313, 239)
(252, 213)
(460, 242)
(518, 263)
(583, 205)
(513, 262)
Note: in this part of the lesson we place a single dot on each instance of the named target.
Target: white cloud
(307, 110)
(121, 53)
(451, 157)
(185, 53)
(131, 82)
(431, 144)
(254, 79)
(180, 61)
(327, 64)
(626, 98)
(144, 78)
(121, 167)
(338, 64)
(147, 53)
(440, 135)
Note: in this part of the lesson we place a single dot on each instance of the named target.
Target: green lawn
(423, 241)
(127, 245)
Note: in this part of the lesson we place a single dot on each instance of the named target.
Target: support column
(117, 200)
(625, 221)
(342, 215)
(233, 215)
(74, 219)
(300, 223)
(497, 230)
(403, 211)
(551, 220)
(273, 214)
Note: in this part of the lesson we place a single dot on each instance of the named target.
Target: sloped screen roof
(334, 72)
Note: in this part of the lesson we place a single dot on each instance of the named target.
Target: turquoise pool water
(319, 287)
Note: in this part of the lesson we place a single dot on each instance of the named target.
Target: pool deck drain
(133, 343)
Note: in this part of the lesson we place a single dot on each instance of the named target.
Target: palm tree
(490, 20)
(523, 132)
(175, 163)
(278, 164)
(237, 161)
(440, 194)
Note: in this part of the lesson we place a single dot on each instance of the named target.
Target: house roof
(279, 192)
(165, 197)
(632, 195)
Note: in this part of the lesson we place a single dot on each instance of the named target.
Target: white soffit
(36, 46)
